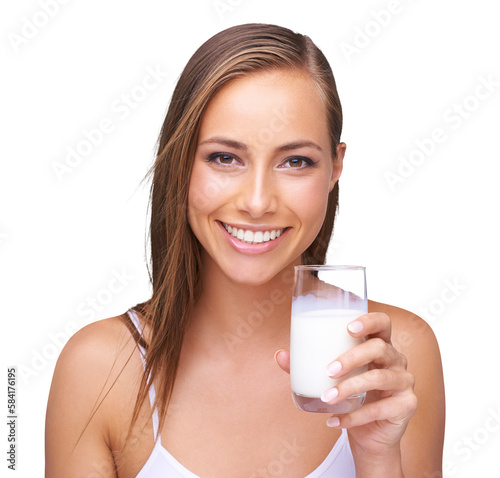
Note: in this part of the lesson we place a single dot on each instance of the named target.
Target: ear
(337, 164)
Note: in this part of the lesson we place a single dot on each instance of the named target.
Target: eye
(222, 158)
(298, 162)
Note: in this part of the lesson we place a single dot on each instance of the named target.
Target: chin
(254, 281)
(249, 279)
(261, 274)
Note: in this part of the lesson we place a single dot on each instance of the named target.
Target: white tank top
(161, 464)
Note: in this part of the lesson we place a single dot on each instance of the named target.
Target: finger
(397, 410)
(374, 324)
(383, 380)
(375, 350)
(282, 358)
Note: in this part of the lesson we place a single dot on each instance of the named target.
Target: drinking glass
(325, 300)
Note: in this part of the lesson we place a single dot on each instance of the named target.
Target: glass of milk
(325, 300)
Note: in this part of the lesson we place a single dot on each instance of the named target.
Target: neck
(236, 318)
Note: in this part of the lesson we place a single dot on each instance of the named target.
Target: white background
(434, 235)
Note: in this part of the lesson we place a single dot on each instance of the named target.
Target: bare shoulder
(91, 374)
(422, 443)
(96, 343)
(409, 331)
(97, 359)
(415, 339)
(92, 356)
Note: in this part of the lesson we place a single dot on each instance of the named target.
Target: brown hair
(175, 251)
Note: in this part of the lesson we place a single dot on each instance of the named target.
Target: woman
(245, 187)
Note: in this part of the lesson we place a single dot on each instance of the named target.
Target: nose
(258, 194)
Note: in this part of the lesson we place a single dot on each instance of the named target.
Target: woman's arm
(77, 442)
(405, 371)
(422, 443)
(386, 440)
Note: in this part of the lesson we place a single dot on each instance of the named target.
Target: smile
(253, 237)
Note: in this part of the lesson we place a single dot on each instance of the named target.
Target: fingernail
(329, 395)
(276, 355)
(333, 422)
(333, 369)
(355, 327)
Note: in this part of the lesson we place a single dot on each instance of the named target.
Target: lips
(253, 237)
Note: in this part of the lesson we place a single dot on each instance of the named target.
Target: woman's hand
(375, 429)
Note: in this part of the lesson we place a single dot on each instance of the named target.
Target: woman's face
(261, 176)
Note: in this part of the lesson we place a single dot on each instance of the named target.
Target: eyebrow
(226, 142)
(299, 144)
(243, 147)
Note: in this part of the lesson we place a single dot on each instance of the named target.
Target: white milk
(318, 338)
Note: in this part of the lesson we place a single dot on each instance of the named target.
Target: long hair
(175, 251)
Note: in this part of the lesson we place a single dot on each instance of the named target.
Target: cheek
(207, 185)
(201, 193)
(206, 192)
(196, 202)
(310, 209)
(196, 198)
(311, 201)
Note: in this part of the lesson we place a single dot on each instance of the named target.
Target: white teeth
(251, 237)
(248, 237)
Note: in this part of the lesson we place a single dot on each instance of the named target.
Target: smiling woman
(245, 187)
(264, 181)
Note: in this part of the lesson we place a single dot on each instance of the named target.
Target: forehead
(278, 105)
